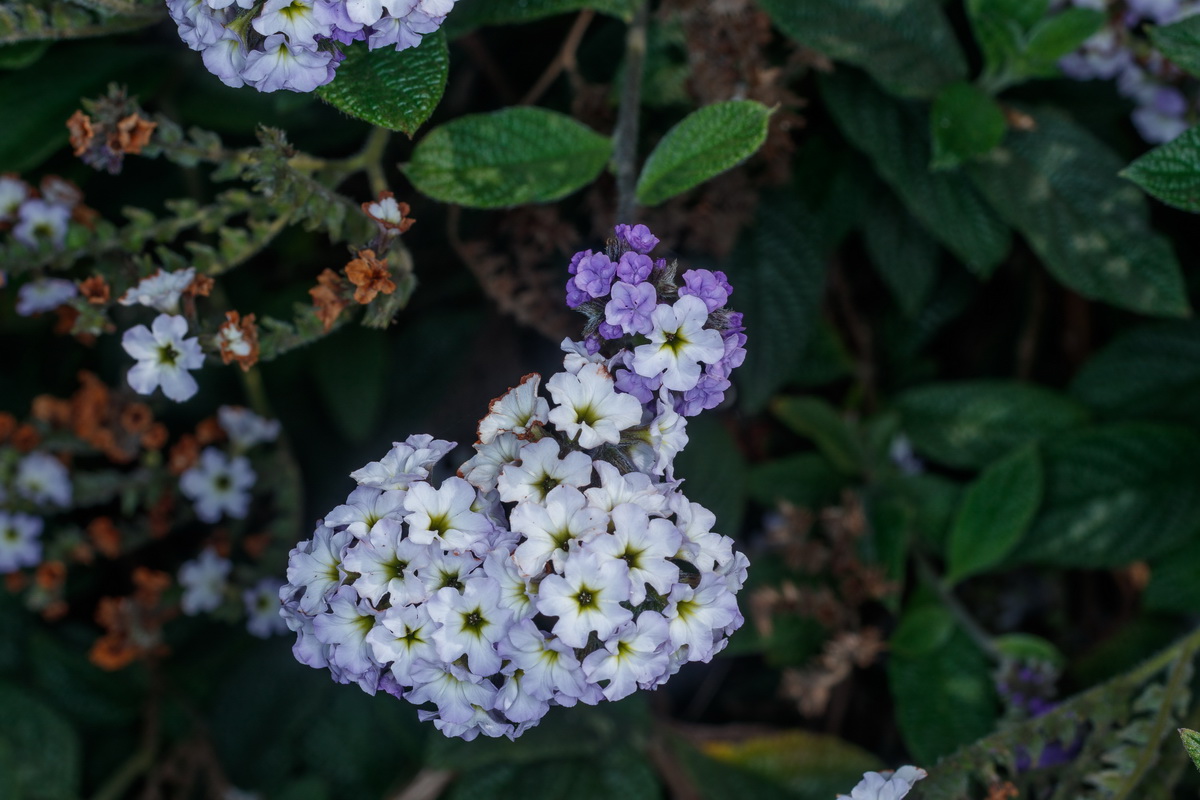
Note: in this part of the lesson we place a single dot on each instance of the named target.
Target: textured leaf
(1191, 743)
(815, 419)
(995, 513)
(780, 278)
(507, 158)
(1173, 585)
(811, 765)
(1180, 42)
(394, 89)
(42, 748)
(1115, 494)
(702, 145)
(906, 45)
(922, 631)
(1058, 186)
(895, 136)
(1055, 37)
(972, 423)
(473, 13)
(1151, 372)
(902, 252)
(1171, 172)
(965, 122)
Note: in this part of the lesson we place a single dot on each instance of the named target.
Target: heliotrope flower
(41, 222)
(20, 541)
(44, 294)
(261, 602)
(588, 408)
(679, 343)
(160, 291)
(515, 411)
(885, 785)
(218, 485)
(164, 357)
(245, 428)
(203, 580)
(42, 479)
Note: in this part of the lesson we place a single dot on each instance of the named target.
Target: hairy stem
(626, 135)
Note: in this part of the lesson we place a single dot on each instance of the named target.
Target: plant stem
(565, 60)
(626, 135)
(970, 626)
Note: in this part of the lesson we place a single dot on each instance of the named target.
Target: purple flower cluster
(296, 44)
(561, 565)
(659, 339)
(1119, 51)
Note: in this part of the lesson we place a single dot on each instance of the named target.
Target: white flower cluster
(296, 44)
(887, 785)
(562, 565)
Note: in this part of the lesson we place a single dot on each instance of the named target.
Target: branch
(626, 135)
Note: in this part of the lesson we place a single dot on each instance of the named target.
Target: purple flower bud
(595, 274)
(573, 267)
(644, 389)
(576, 296)
(610, 331)
(708, 393)
(631, 307)
(634, 267)
(638, 237)
(705, 285)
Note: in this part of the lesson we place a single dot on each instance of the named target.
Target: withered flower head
(370, 275)
(238, 340)
(201, 286)
(133, 133)
(80, 126)
(327, 297)
(95, 290)
(391, 215)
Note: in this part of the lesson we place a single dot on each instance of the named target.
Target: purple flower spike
(634, 267)
(595, 274)
(638, 237)
(706, 286)
(631, 306)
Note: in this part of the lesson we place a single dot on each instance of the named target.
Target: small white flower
(403, 638)
(295, 18)
(552, 672)
(42, 479)
(262, 609)
(20, 541)
(695, 615)
(886, 785)
(588, 406)
(364, 508)
(218, 485)
(551, 528)
(164, 357)
(45, 294)
(615, 489)
(482, 469)
(635, 654)
(515, 411)
(345, 627)
(587, 597)
(643, 545)
(386, 563)
(318, 568)
(245, 428)
(407, 461)
(678, 344)
(470, 623)
(160, 291)
(445, 515)
(457, 693)
(13, 192)
(540, 470)
(39, 221)
(203, 581)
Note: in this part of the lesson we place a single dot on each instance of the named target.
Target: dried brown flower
(238, 340)
(95, 290)
(80, 126)
(327, 297)
(370, 275)
(133, 133)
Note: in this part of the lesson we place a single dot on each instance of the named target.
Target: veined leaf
(1171, 172)
(1180, 42)
(965, 122)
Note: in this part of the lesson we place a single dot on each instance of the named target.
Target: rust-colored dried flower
(80, 126)
(95, 290)
(370, 275)
(133, 133)
(238, 340)
(327, 297)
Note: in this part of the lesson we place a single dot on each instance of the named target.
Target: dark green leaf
(43, 749)
(1171, 172)
(780, 275)
(906, 45)
(1055, 37)
(815, 419)
(22, 54)
(702, 145)
(1173, 585)
(995, 513)
(1020, 14)
(473, 13)
(715, 780)
(1150, 372)
(397, 90)
(1115, 494)
(714, 469)
(81, 692)
(895, 136)
(965, 122)
(1026, 647)
(806, 480)
(507, 158)
(1180, 42)
(1058, 186)
(902, 252)
(922, 631)
(972, 423)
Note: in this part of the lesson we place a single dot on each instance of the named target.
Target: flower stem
(626, 135)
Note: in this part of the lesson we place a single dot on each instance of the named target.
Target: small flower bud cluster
(296, 44)
(1119, 51)
(685, 341)
(561, 565)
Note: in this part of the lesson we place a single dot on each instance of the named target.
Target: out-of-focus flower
(203, 580)
(886, 785)
(44, 294)
(218, 485)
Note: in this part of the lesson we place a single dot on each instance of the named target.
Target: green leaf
(902, 252)
(1171, 172)
(1173, 585)
(812, 765)
(1058, 186)
(1115, 494)
(970, 424)
(906, 45)
(717, 780)
(1180, 42)
(965, 122)
(995, 513)
(806, 480)
(1020, 14)
(507, 158)
(714, 469)
(397, 90)
(923, 630)
(1191, 743)
(702, 145)
(780, 274)
(944, 697)
(1150, 372)
(815, 419)
(895, 136)
(1055, 37)
(42, 748)
(470, 14)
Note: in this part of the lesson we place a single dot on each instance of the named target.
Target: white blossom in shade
(160, 291)
(294, 18)
(734, 570)
(704, 548)
(203, 580)
(280, 65)
(40, 222)
(668, 435)
(386, 563)
(164, 357)
(678, 344)
(515, 411)
(482, 720)
(551, 527)
(245, 428)
(308, 649)
(447, 569)
(456, 693)
(407, 462)
(345, 628)
(634, 487)
(482, 469)
(20, 541)
(643, 545)
(364, 508)
(515, 702)
(13, 192)
(540, 469)
(318, 569)
(41, 478)
(586, 598)
(218, 485)
(262, 609)
(885, 785)
(516, 591)
(403, 639)
(588, 406)
(636, 653)
(470, 623)
(577, 357)
(44, 294)
(226, 58)
(552, 672)
(695, 615)
(445, 515)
